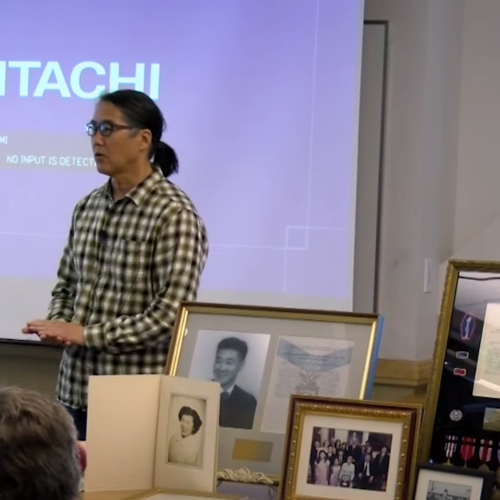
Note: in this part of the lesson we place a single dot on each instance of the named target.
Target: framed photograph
(187, 435)
(440, 482)
(151, 431)
(335, 448)
(461, 420)
(186, 431)
(260, 357)
(169, 494)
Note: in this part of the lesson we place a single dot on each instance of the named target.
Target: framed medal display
(461, 424)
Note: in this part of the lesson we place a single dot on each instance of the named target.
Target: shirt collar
(229, 391)
(141, 192)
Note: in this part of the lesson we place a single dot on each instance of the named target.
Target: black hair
(236, 345)
(189, 412)
(141, 112)
(319, 455)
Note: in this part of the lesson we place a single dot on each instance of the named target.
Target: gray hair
(39, 457)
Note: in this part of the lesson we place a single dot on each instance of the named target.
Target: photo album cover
(152, 431)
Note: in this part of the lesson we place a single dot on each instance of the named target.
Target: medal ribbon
(467, 449)
(485, 450)
(451, 446)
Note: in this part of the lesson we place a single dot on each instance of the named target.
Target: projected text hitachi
(38, 79)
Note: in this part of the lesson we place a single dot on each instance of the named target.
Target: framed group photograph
(260, 357)
(461, 422)
(335, 448)
(439, 482)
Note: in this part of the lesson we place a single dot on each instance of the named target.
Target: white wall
(444, 120)
(478, 176)
(419, 184)
(477, 214)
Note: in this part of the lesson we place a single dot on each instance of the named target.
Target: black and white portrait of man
(237, 406)
(237, 362)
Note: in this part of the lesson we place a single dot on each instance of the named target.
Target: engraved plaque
(252, 450)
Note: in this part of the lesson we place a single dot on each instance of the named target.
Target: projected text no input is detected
(51, 161)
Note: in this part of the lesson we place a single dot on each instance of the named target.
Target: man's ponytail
(166, 158)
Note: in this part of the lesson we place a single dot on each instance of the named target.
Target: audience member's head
(40, 458)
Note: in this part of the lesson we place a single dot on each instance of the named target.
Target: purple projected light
(261, 102)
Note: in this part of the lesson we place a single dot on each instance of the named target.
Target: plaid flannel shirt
(126, 268)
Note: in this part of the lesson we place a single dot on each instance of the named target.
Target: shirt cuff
(94, 336)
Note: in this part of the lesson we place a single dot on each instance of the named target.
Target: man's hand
(59, 331)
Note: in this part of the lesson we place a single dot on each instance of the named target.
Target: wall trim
(30, 350)
(403, 373)
(390, 372)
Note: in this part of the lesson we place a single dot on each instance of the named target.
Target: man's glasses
(104, 128)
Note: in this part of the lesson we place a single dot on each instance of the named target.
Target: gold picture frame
(466, 296)
(393, 426)
(251, 454)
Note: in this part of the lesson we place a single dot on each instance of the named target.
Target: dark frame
(362, 266)
(488, 477)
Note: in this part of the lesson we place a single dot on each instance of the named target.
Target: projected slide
(261, 102)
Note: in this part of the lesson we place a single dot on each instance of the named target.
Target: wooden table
(111, 495)
(250, 491)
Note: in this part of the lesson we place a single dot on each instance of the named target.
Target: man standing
(237, 407)
(366, 474)
(312, 460)
(381, 467)
(136, 250)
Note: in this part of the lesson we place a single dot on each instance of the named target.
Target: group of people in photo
(350, 463)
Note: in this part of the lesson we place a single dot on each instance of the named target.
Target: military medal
(485, 450)
(467, 449)
(450, 447)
